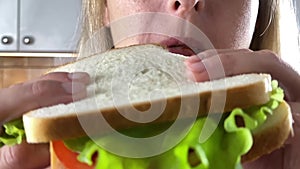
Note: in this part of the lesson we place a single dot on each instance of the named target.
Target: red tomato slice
(67, 157)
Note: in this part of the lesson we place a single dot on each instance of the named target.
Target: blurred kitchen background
(37, 35)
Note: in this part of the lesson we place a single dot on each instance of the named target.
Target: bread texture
(131, 81)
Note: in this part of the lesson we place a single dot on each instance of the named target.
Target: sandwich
(142, 112)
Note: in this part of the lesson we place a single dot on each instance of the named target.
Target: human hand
(205, 66)
(214, 64)
(50, 89)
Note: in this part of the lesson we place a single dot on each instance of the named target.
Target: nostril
(177, 5)
(197, 6)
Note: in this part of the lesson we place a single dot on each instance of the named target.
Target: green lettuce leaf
(222, 150)
(256, 115)
(13, 133)
(203, 156)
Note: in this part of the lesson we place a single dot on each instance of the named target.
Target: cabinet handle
(27, 40)
(6, 40)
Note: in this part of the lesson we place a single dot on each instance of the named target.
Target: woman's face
(227, 23)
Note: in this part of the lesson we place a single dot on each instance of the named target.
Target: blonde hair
(266, 34)
(275, 28)
(95, 37)
(92, 16)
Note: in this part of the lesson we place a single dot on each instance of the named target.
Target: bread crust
(271, 135)
(44, 129)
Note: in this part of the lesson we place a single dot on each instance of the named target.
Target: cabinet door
(297, 6)
(49, 26)
(8, 25)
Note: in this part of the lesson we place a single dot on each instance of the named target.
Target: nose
(183, 7)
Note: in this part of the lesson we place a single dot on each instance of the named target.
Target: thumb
(25, 156)
(27, 96)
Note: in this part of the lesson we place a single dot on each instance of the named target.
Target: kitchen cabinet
(39, 25)
(8, 25)
(297, 6)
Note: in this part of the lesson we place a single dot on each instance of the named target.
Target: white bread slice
(144, 69)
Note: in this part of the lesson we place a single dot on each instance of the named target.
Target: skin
(237, 19)
(229, 24)
(236, 16)
(47, 90)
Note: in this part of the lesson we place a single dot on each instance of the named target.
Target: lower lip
(181, 50)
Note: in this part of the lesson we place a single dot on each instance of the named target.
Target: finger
(198, 68)
(208, 69)
(197, 76)
(213, 52)
(24, 97)
(195, 66)
(192, 59)
(25, 156)
(82, 77)
(263, 61)
(205, 54)
(216, 64)
(235, 63)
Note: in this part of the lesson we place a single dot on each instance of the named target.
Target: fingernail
(194, 58)
(80, 77)
(196, 67)
(77, 75)
(73, 87)
(190, 75)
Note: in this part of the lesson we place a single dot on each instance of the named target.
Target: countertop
(19, 67)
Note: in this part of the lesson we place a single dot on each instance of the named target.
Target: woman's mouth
(182, 49)
(175, 46)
